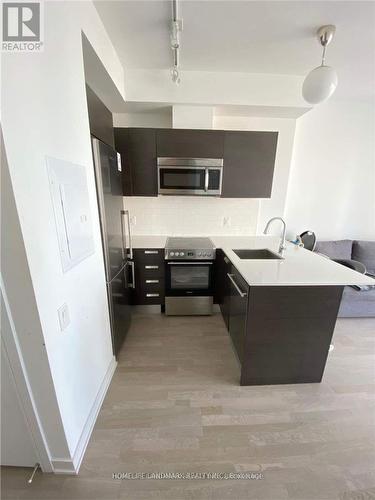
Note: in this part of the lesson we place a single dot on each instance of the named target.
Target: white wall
(45, 114)
(332, 183)
(200, 117)
(192, 215)
(156, 119)
(217, 88)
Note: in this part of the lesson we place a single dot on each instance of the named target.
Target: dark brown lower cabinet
(288, 333)
(149, 276)
(281, 334)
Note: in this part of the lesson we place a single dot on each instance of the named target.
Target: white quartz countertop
(149, 241)
(298, 266)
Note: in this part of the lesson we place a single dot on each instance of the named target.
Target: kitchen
(261, 280)
(161, 171)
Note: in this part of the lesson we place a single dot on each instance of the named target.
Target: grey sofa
(355, 303)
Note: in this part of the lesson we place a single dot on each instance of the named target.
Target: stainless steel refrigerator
(116, 239)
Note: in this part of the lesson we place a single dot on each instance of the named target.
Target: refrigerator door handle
(132, 265)
(123, 237)
(126, 212)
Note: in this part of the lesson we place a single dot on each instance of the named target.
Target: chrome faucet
(282, 245)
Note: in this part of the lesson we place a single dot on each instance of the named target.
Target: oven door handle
(192, 263)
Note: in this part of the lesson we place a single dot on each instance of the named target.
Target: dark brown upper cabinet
(249, 161)
(249, 158)
(137, 147)
(100, 118)
(186, 143)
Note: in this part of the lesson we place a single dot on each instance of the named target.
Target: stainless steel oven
(190, 176)
(189, 276)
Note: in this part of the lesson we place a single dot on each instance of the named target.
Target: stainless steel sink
(261, 253)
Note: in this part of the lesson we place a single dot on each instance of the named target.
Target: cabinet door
(237, 310)
(249, 160)
(142, 158)
(121, 146)
(181, 143)
(100, 118)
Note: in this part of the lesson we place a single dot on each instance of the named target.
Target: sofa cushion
(340, 249)
(364, 251)
(356, 304)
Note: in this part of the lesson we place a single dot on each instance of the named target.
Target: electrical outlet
(226, 221)
(133, 220)
(64, 318)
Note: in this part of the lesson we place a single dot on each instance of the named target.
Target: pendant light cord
(324, 55)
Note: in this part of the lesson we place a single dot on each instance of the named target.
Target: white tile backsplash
(192, 215)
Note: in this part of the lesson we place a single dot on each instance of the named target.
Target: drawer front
(149, 293)
(149, 271)
(149, 256)
(149, 276)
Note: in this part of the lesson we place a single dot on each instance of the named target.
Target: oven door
(187, 279)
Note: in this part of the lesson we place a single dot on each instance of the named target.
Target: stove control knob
(199, 254)
(182, 254)
(171, 254)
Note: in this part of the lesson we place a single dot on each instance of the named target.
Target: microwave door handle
(206, 179)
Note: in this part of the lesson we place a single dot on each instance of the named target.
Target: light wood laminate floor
(174, 405)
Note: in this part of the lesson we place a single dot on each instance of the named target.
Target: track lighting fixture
(176, 28)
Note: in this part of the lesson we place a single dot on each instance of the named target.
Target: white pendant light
(322, 81)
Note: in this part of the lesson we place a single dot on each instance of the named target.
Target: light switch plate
(64, 317)
(226, 221)
(133, 220)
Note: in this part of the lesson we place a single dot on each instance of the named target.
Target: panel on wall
(71, 205)
(249, 161)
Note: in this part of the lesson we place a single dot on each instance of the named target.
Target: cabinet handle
(190, 263)
(153, 252)
(241, 293)
(152, 281)
(152, 295)
(151, 267)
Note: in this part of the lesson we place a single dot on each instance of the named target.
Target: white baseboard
(63, 466)
(71, 466)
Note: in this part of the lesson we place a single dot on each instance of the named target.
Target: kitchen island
(280, 312)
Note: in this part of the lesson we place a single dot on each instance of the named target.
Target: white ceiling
(248, 36)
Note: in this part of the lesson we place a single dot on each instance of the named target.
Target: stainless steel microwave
(190, 176)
